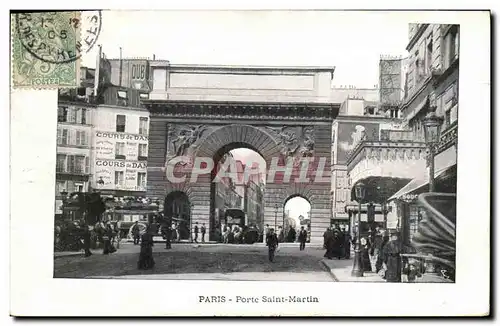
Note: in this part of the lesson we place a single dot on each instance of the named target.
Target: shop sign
(408, 197)
(120, 136)
(121, 164)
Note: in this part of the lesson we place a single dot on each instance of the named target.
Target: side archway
(177, 208)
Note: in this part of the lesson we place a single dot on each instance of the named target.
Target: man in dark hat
(302, 238)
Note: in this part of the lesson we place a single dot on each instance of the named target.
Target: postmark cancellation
(47, 47)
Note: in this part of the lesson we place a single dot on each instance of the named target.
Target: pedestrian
(146, 260)
(302, 238)
(167, 235)
(86, 240)
(281, 234)
(117, 237)
(272, 243)
(337, 245)
(196, 232)
(378, 239)
(380, 258)
(365, 257)
(329, 244)
(392, 258)
(325, 237)
(136, 233)
(347, 245)
(203, 231)
(107, 237)
(265, 234)
(292, 234)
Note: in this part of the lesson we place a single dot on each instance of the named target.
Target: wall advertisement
(116, 164)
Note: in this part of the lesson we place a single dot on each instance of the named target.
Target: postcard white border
(35, 292)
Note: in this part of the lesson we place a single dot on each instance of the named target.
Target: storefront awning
(407, 191)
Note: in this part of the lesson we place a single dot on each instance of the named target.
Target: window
(120, 123)
(447, 118)
(87, 164)
(70, 164)
(451, 41)
(143, 126)
(81, 138)
(72, 115)
(122, 95)
(144, 96)
(83, 119)
(428, 59)
(60, 187)
(79, 164)
(120, 151)
(61, 163)
(62, 114)
(415, 218)
(143, 152)
(141, 179)
(119, 178)
(62, 136)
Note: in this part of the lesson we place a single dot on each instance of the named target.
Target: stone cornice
(224, 110)
(358, 152)
(367, 118)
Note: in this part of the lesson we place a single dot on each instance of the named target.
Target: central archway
(217, 144)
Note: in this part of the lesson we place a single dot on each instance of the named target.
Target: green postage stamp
(47, 47)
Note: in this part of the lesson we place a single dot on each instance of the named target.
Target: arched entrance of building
(177, 210)
(296, 214)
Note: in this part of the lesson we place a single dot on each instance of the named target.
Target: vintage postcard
(240, 163)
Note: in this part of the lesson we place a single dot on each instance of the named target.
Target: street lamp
(191, 206)
(276, 217)
(357, 270)
(432, 130)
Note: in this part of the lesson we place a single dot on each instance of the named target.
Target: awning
(417, 109)
(407, 192)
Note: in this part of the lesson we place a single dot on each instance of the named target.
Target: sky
(352, 42)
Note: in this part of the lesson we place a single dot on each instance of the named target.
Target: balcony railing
(448, 137)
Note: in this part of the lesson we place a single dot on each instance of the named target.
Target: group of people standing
(337, 243)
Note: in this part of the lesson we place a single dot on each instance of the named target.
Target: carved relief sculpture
(182, 138)
(307, 148)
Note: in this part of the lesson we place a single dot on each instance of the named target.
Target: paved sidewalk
(237, 276)
(341, 271)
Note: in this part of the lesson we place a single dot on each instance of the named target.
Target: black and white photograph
(293, 147)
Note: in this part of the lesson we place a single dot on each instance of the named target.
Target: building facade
(74, 141)
(120, 142)
(398, 161)
(432, 84)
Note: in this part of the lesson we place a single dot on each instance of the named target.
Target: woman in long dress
(146, 260)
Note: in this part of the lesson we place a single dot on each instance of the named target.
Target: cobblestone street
(188, 258)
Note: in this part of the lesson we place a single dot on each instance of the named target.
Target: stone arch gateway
(278, 130)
